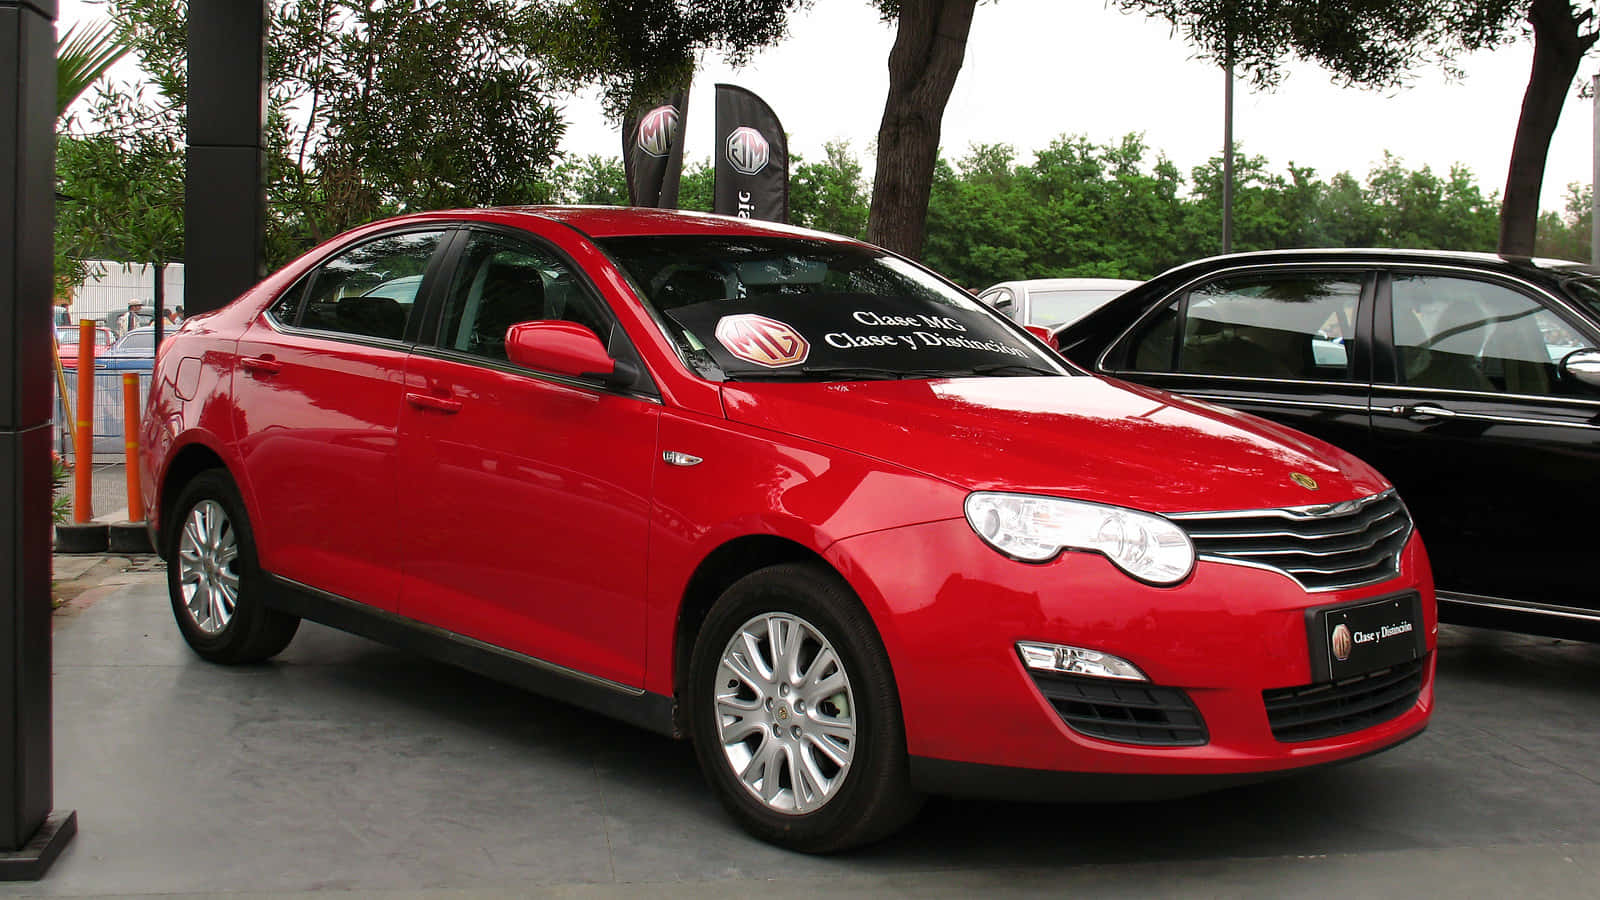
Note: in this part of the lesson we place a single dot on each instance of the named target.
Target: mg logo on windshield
(763, 341)
(747, 151)
(658, 129)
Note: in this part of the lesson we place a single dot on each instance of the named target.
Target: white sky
(1037, 69)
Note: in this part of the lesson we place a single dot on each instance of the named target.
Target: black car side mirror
(1582, 366)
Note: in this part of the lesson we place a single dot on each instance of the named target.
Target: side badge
(676, 458)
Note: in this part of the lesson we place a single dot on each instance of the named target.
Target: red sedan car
(789, 496)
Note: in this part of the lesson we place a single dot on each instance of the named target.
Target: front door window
(1468, 335)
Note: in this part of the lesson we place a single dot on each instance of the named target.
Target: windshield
(747, 308)
(1057, 308)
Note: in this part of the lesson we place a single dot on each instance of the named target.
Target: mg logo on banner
(747, 151)
(763, 341)
(658, 129)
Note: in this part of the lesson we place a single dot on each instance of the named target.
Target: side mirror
(566, 348)
(1043, 334)
(1582, 366)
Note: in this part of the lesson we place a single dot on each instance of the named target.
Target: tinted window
(1467, 335)
(501, 281)
(1268, 326)
(370, 289)
(755, 307)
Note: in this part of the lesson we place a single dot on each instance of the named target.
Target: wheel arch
(187, 462)
(729, 562)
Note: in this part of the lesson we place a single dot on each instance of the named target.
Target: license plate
(1350, 640)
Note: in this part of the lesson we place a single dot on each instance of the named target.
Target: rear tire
(216, 586)
(795, 714)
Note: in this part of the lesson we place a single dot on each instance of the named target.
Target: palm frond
(83, 57)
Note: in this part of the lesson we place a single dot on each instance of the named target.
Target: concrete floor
(347, 767)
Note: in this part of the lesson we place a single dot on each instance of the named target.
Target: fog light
(1077, 661)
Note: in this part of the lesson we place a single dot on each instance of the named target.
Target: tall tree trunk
(1558, 48)
(929, 45)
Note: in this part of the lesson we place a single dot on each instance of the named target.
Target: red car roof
(621, 221)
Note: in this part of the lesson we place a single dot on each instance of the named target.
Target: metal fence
(108, 425)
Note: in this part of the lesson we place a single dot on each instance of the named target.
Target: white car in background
(1052, 302)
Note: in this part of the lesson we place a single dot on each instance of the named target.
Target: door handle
(437, 404)
(261, 365)
(1422, 412)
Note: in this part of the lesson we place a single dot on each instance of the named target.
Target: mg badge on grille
(1305, 481)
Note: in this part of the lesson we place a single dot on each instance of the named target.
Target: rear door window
(369, 290)
(1290, 326)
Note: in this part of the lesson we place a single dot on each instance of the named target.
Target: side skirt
(1567, 622)
(619, 701)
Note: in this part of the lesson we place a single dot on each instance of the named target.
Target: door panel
(1495, 454)
(526, 496)
(317, 421)
(317, 388)
(525, 514)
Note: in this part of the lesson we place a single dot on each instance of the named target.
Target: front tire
(795, 715)
(216, 586)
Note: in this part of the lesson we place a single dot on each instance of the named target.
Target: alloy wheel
(208, 554)
(785, 713)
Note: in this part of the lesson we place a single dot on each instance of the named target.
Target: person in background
(177, 313)
(171, 318)
(130, 319)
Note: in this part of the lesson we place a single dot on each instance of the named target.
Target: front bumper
(951, 610)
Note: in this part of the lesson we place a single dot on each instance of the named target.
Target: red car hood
(1083, 437)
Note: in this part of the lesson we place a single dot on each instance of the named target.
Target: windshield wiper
(841, 373)
(1010, 369)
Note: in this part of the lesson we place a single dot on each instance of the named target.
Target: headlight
(1036, 529)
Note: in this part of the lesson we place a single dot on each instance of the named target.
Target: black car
(1472, 381)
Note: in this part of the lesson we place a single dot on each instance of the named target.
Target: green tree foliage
(830, 195)
(1375, 43)
(638, 50)
(120, 190)
(83, 57)
(592, 179)
(374, 109)
(1367, 43)
(1115, 210)
(1567, 234)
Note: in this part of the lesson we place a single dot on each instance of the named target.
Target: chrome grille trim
(1326, 547)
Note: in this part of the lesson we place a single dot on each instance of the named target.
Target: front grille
(1124, 711)
(1324, 548)
(1340, 707)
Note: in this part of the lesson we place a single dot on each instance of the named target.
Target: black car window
(1294, 326)
(1469, 335)
(749, 307)
(370, 289)
(501, 281)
